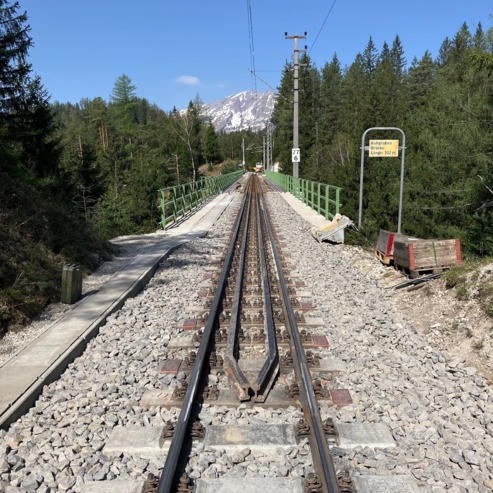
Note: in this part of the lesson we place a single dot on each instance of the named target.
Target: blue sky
(173, 50)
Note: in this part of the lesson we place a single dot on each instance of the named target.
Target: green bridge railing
(325, 199)
(178, 201)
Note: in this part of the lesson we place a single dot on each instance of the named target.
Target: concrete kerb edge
(27, 400)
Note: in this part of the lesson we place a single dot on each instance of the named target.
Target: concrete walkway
(304, 211)
(43, 360)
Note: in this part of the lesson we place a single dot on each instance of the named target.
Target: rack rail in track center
(250, 314)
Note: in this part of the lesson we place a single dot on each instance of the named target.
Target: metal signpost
(382, 148)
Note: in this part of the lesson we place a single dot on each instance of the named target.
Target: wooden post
(71, 284)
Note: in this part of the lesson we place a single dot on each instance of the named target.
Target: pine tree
(282, 118)
(369, 60)
(122, 108)
(25, 118)
(444, 52)
(421, 79)
(211, 145)
(123, 91)
(14, 69)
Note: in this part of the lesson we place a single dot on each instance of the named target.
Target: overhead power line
(252, 46)
(326, 17)
(268, 85)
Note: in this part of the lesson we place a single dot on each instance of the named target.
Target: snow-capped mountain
(248, 109)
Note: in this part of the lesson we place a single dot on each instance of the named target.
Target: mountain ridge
(241, 111)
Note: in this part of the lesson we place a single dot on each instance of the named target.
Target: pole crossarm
(363, 148)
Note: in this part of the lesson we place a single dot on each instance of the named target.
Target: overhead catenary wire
(251, 44)
(268, 85)
(323, 24)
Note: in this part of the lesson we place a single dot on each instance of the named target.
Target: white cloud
(189, 80)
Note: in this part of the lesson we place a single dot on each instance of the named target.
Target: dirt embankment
(453, 312)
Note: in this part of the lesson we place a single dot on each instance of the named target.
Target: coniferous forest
(75, 174)
(444, 104)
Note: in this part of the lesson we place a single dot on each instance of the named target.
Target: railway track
(417, 421)
(250, 329)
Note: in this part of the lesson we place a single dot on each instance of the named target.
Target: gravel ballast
(439, 412)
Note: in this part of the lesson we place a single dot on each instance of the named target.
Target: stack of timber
(417, 256)
(384, 250)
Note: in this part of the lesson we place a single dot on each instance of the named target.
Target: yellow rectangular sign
(384, 148)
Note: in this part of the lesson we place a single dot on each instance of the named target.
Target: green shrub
(462, 293)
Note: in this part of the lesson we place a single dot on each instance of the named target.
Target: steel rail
(322, 461)
(168, 476)
(240, 383)
(270, 368)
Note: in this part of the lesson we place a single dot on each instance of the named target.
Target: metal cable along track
(252, 230)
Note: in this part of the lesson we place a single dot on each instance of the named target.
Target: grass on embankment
(473, 280)
(37, 237)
